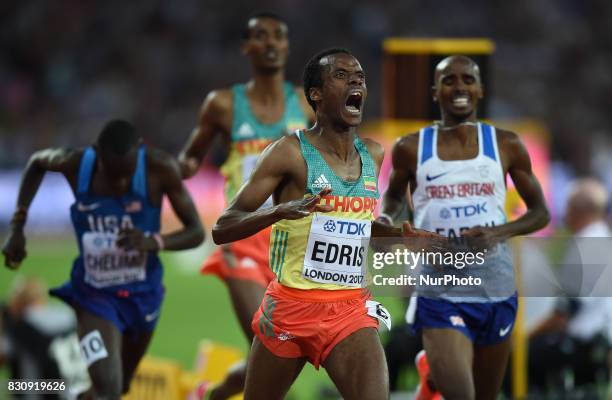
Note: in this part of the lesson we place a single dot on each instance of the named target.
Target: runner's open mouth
(353, 103)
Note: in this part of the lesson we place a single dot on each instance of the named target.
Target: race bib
(337, 250)
(378, 311)
(248, 165)
(93, 348)
(107, 265)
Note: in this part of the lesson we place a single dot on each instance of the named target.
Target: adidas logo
(245, 130)
(321, 183)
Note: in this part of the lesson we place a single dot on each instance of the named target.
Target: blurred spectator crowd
(67, 66)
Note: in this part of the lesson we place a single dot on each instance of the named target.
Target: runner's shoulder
(376, 150)
(219, 100)
(285, 151)
(286, 146)
(70, 154)
(162, 163)
(508, 141)
(506, 137)
(408, 143)
(405, 149)
(60, 158)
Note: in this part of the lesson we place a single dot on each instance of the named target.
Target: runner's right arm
(61, 160)
(278, 163)
(403, 159)
(403, 177)
(213, 117)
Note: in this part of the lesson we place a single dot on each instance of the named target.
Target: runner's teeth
(353, 102)
(352, 109)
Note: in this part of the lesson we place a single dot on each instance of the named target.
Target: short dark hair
(118, 137)
(246, 30)
(312, 71)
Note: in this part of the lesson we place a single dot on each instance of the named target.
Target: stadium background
(68, 66)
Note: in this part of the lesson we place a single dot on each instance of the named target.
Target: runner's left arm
(192, 233)
(528, 187)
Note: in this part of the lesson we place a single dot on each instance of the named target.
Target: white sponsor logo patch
(245, 130)
(152, 316)
(321, 183)
(456, 320)
(285, 336)
(133, 207)
(248, 263)
(378, 311)
(87, 207)
(504, 331)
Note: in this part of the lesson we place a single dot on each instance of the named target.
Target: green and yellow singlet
(249, 137)
(328, 250)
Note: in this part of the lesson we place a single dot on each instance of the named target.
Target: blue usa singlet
(97, 221)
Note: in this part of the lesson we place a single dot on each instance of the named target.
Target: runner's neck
(462, 130)
(339, 144)
(267, 89)
(443, 127)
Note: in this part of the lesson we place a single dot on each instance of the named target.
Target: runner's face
(267, 45)
(458, 89)
(344, 89)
